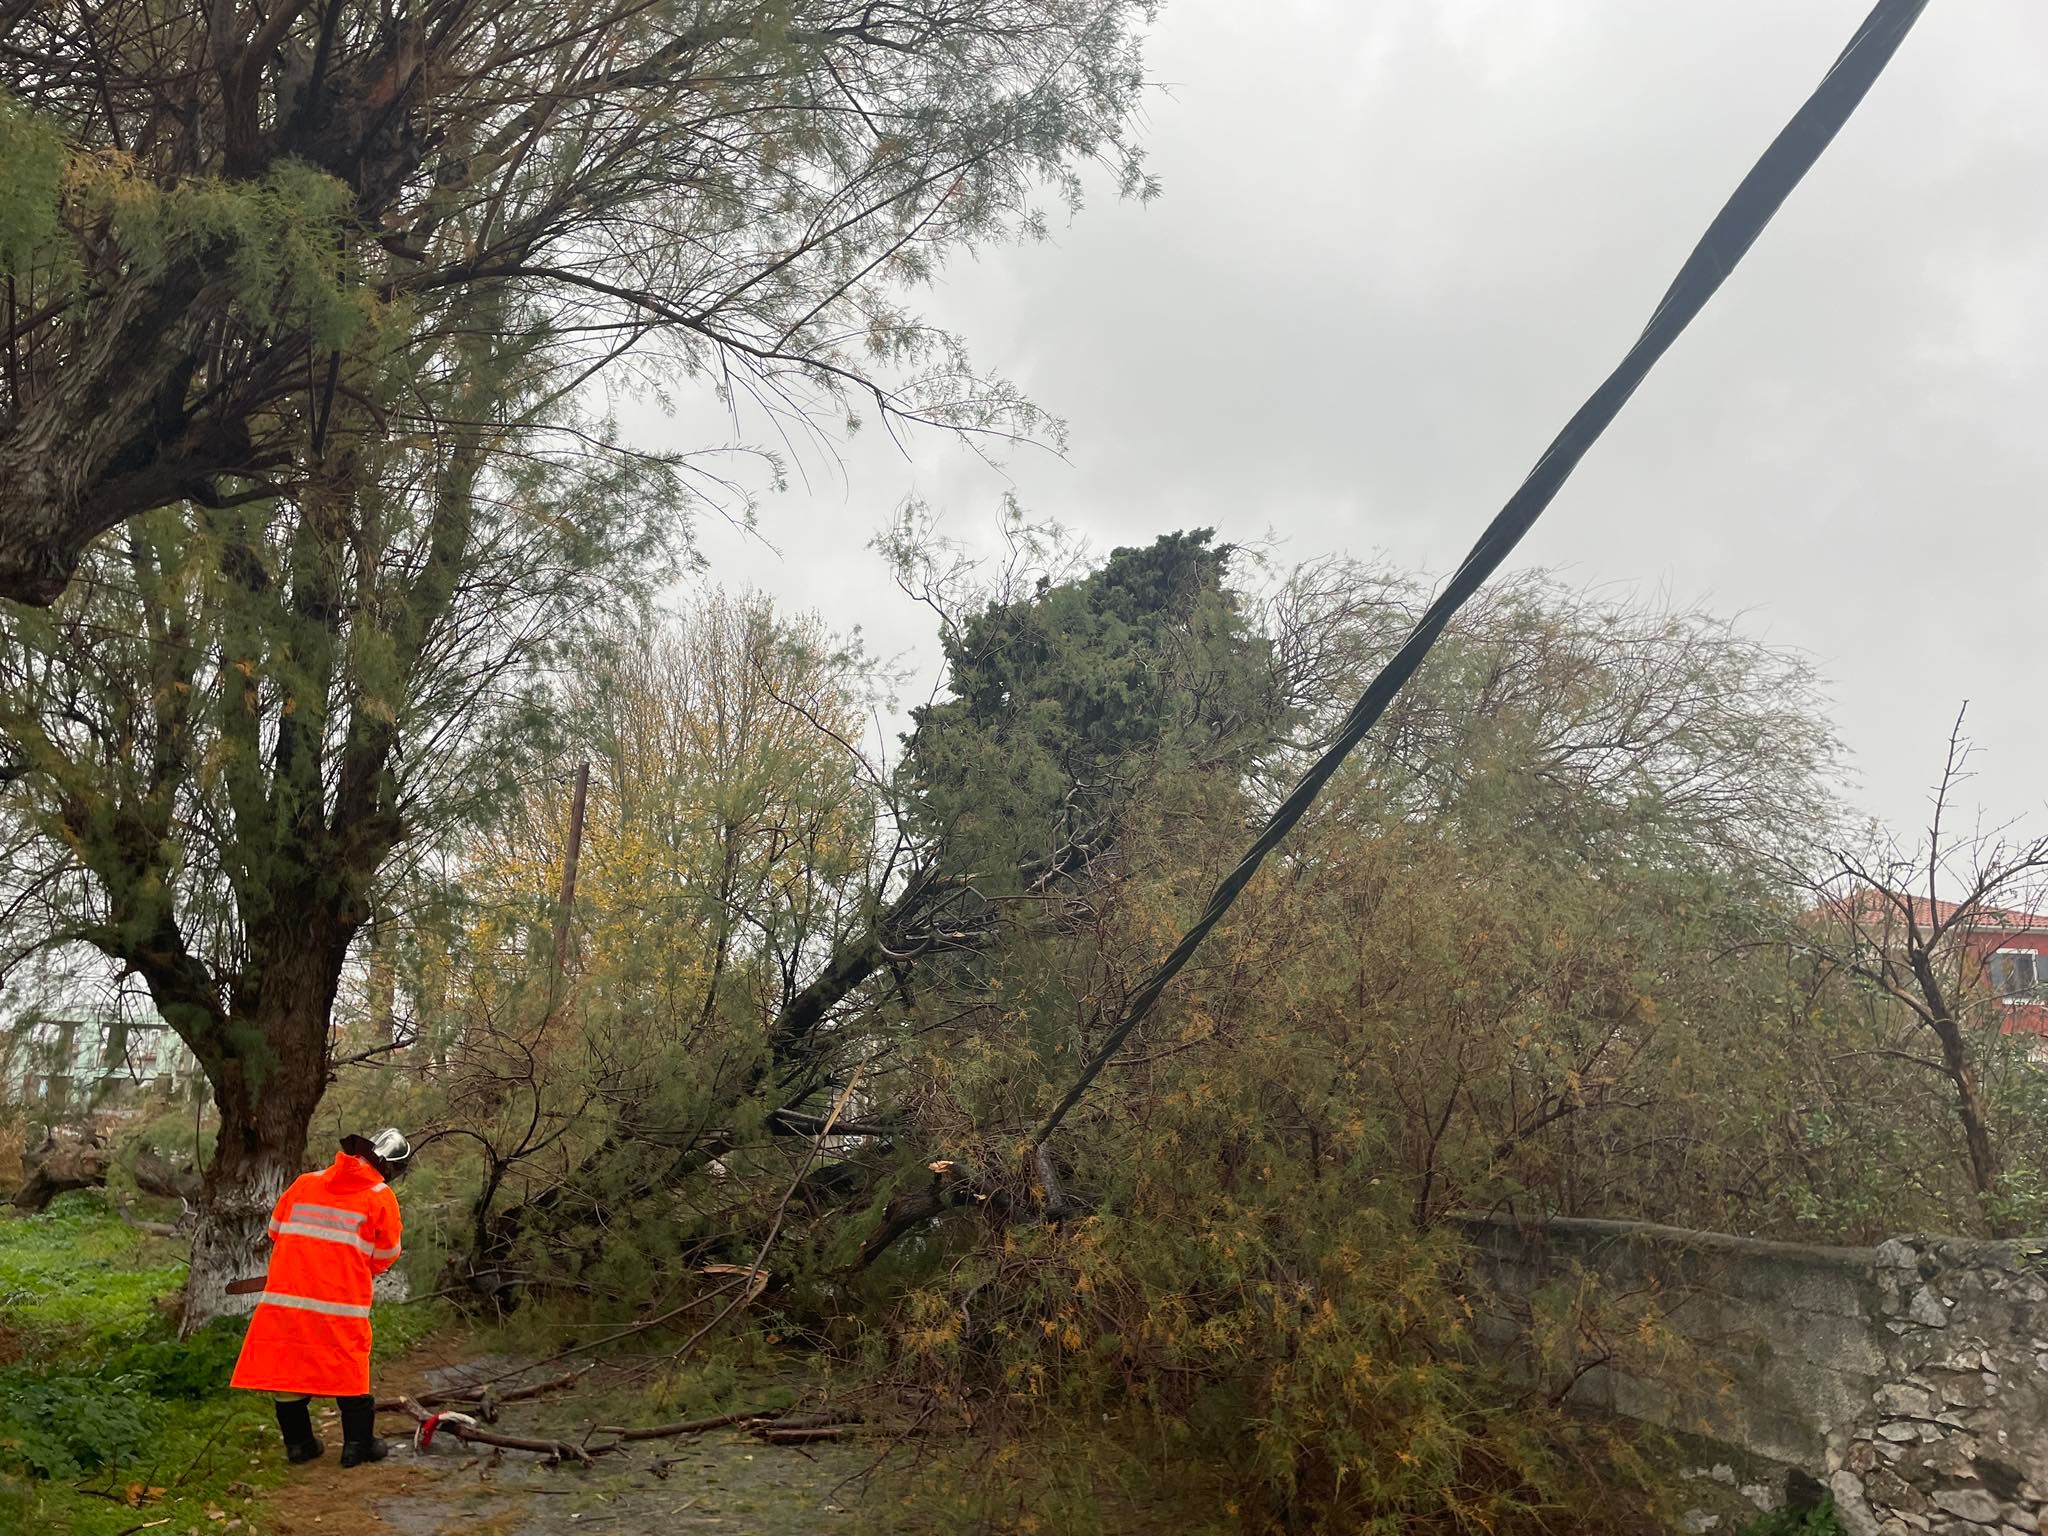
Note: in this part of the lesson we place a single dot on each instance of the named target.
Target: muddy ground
(725, 1481)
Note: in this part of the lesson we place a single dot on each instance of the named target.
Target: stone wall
(1913, 1376)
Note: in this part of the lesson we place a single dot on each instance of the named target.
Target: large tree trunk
(266, 1097)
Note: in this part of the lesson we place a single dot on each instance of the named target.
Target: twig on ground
(822, 1418)
(771, 1435)
(211, 1440)
(686, 1427)
(478, 1392)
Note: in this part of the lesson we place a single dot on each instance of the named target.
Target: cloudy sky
(1401, 239)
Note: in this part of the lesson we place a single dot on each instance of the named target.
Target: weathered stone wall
(1957, 1438)
(1913, 1377)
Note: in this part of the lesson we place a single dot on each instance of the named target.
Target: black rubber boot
(295, 1423)
(359, 1442)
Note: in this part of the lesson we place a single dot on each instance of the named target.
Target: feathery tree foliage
(244, 727)
(1502, 961)
(309, 299)
(216, 220)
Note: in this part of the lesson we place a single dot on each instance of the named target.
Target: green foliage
(32, 161)
(66, 1426)
(77, 1278)
(102, 1395)
(1065, 701)
(1619, 732)
(1818, 1521)
(284, 240)
(190, 1368)
(1315, 1361)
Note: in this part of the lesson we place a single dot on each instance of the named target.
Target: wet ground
(725, 1481)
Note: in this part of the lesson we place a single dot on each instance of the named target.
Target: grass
(1819, 1521)
(108, 1421)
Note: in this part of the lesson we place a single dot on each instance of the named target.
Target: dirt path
(725, 1482)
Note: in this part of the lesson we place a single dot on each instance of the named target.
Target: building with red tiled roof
(2009, 946)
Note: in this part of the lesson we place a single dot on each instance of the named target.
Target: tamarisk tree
(212, 216)
(1069, 699)
(238, 722)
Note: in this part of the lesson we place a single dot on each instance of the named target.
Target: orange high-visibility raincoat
(332, 1233)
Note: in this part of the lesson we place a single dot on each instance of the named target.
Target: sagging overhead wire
(1734, 230)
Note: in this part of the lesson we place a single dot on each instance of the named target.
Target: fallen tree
(70, 1159)
(1000, 826)
(66, 1160)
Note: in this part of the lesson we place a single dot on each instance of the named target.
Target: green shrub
(184, 1369)
(1818, 1521)
(66, 1426)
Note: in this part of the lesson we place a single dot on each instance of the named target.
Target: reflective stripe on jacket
(332, 1233)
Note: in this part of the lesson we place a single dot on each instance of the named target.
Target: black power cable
(1769, 182)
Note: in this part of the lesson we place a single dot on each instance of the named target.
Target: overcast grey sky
(1401, 239)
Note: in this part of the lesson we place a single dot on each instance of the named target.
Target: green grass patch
(398, 1328)
(108, 1420)
(76, 1275)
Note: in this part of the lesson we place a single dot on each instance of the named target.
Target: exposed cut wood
(553, 1450)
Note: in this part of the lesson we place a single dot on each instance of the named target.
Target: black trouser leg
(295, 1423)
(359, 1442)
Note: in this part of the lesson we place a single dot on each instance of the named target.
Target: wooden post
(568, 900)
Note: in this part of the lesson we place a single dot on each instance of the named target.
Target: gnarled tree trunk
(266, 1099)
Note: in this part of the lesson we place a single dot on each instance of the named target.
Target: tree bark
(155, 1176)
(1976, 1131)
(110, 437)
(266, 1095)
(1969, 1102)
(67, 1163)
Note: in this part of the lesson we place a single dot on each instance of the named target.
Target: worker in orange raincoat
(332, 1233)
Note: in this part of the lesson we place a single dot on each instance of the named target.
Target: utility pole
(568, 900)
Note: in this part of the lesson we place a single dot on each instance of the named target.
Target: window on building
(2016, 972)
